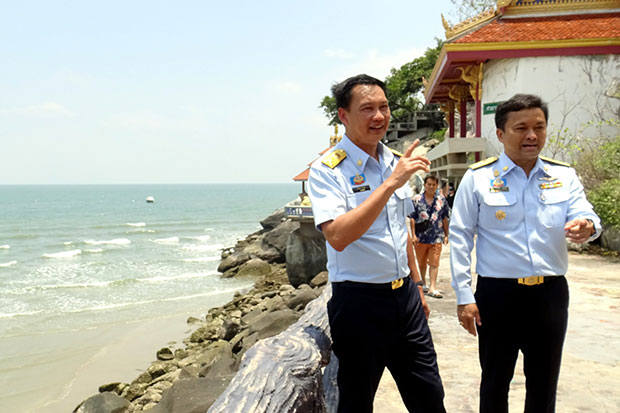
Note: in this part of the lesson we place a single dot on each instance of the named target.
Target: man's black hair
(516, 103)
(433, 177)
(342, 90)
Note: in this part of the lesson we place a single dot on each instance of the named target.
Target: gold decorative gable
(525, 7)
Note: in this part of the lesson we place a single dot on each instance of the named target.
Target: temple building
(566, 51)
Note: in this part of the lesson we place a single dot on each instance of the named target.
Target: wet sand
(590, 374)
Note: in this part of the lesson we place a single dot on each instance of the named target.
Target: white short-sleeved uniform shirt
(519, 221)
(380, 255)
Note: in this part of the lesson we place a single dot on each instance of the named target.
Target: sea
(94, 280)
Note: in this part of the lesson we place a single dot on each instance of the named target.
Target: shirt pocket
(354, 200)
(401, 196)
(553, 207)
(500, 210)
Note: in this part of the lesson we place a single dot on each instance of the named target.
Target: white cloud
(377, 65)
(47, 109)
(339, 54)
(288, 87)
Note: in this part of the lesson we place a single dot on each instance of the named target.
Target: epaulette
(553, 161)
(485, 162)
(333, 159)
(395, 152)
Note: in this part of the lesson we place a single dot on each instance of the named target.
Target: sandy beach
(590, 375)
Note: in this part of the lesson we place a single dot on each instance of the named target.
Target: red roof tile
(590, 26)
(302, 176)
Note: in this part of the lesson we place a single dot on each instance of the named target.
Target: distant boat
(150, 199)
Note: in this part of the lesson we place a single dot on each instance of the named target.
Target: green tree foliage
(404, 85)
(328, 104)
(599, 169)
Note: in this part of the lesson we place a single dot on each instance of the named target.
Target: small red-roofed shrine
(566, 51)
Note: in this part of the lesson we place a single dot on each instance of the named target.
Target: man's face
(367, 117)
(524, 135)
(430, 186)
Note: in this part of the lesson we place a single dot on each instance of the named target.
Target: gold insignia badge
(496, 173)
(333, 159)
(505, 168)
(500, 215)
(359, 162)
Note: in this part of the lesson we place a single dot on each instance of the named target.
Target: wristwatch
(419, 283)
(593, 227)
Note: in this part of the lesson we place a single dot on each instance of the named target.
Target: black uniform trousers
(532, 319)
(374, 327)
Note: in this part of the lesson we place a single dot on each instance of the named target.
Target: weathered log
(283, 374)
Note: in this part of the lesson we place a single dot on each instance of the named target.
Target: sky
(136, 91)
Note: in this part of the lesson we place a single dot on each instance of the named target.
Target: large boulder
(269, 324)
(233, 260)
(306, 255)
(273, 220)
(192, 395)
(107, 402)
(611, 239)
(255, 266)
(278, 237)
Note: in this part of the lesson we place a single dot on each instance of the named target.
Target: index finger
(411, 147)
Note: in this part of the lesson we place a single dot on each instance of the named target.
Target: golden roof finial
(335, 138)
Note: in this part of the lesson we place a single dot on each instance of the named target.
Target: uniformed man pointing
(360, 201)
(522, 206)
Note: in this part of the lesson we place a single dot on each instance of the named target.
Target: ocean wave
(202, 238)
(169, 240)
(63, 254)
(8, 264)
(13, 315)
(116, 241)
(94, 250)
(115, 306)
(136, 224)
(162, 279)
(68, 242)
(202, 259)
(91, 284)
(202, 248)
(5, 247)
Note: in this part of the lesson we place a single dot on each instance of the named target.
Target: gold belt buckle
(397, 283)
(533, 280)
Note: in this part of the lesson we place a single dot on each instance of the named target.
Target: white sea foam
(202, 238)
(116, 241)
(64, 254)
(169, 240)
(95, 250)
(4, 247)
(68, 242)
(8, 264)
(136, 224)
(72, 285)
(202, 259)
(162, 279)
(202, 248)
(13, 315)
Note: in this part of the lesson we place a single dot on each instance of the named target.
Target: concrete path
(590, 375)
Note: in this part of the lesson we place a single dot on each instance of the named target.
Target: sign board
(490, 108)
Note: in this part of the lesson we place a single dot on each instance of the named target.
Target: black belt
(529, 281)
(394, 285)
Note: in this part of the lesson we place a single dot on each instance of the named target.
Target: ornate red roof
(585, 26)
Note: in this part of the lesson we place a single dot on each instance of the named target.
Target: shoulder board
(333, 159)
(485, 162)
(396, 152)
(553, 161)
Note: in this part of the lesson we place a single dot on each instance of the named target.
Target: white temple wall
(578, 89)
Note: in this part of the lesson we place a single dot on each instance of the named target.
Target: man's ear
(343, 116)
(500, 135)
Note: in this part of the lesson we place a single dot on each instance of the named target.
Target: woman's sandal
(435, 294)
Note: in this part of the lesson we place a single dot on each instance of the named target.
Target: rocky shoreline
(191, 378)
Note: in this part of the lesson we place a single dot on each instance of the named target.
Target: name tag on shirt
(361, 188)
